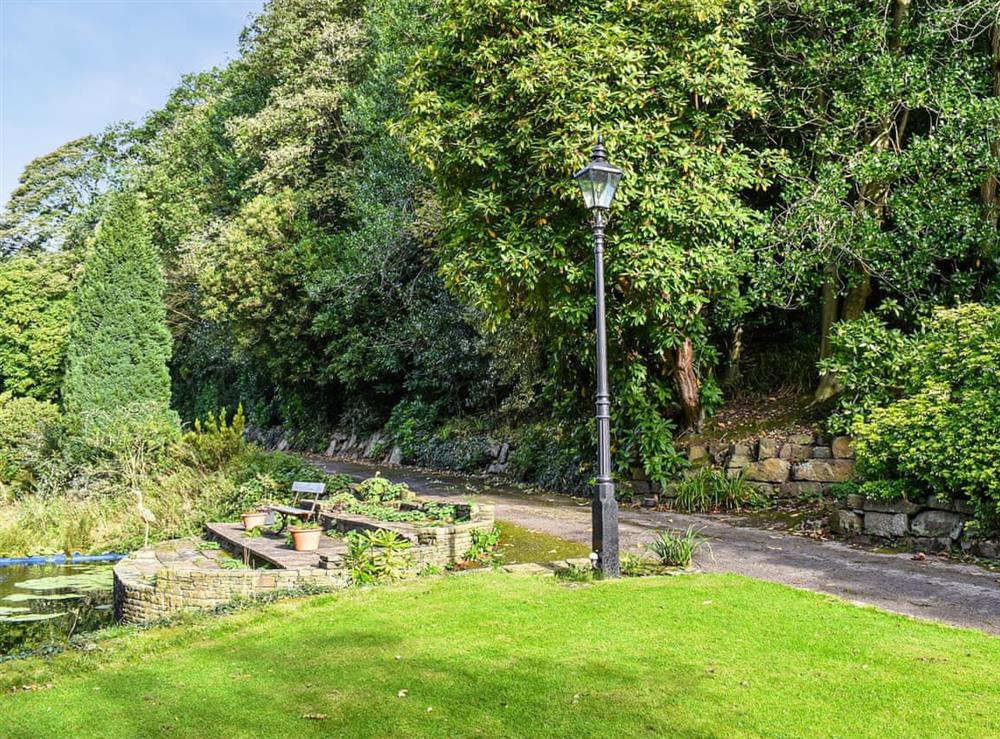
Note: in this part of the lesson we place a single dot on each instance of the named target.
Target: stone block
(823, 470)
(504, 453)
(698, 455)
(893, 506)
(847, 522)
(964, 507)
(886, 525)
(795, 452)
(769, 470)
(939, 504)
(842, 447)
(938, 524)
(739, 450)
(768, 448)
(801, 439)
(332, 448)
(802, 489)
(395, 456)
(988, 549)
(372, 443)
(640, 487)
(718, 449)
(822, 452)
(738, 461)
(765, 488)
(854, 500)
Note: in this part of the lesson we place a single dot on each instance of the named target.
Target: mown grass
(506, 655)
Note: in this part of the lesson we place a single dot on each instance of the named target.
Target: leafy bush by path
(925, 409)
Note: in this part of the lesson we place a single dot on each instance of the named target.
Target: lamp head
(599, 180)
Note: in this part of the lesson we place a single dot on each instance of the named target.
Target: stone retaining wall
(147, 589)
(929, 524)
(783, 466)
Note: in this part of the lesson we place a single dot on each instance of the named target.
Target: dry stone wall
(790, 466)
(928, 524)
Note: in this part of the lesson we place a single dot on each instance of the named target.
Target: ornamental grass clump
(675, 549)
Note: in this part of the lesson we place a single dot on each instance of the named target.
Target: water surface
(47, 603)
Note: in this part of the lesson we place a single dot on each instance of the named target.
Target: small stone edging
(930, 525)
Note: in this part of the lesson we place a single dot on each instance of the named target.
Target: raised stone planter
(432, 545)
(175, 576)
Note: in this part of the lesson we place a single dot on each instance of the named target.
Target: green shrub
(409, 426)
(377, 556)
(24, 423)
(553, 456)
(35, 313)
(484, 544)
(378, 489)
(215, 441)
(926, 421)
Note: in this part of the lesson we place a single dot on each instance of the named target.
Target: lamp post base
(604, 510)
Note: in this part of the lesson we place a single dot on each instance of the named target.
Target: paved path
(963, 595)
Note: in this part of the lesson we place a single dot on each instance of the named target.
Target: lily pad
(83, 583)
(21, 597)
(30, 617)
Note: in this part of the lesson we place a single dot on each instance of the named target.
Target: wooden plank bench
(316, 489)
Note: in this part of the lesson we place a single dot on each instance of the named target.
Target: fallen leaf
(315, 716)
(402, 693)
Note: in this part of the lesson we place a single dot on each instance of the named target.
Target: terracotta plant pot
(253, 520)
(306, 540)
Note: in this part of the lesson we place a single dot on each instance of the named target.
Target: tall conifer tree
(117, 382)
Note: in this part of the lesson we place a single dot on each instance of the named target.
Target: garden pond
(44, 604)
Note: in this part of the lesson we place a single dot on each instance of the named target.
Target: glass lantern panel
(586, 183)
(605, 191)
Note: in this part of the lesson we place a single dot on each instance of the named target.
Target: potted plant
(254, 519)
(305, 535)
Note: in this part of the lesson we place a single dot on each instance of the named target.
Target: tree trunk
(733, 374)
(687, 386)
(989, 188)
(828, 385)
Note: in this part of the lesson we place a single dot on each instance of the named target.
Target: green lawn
(508, 655)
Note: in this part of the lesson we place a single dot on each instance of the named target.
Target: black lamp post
(598, 182)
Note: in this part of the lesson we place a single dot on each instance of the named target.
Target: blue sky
(71, 67)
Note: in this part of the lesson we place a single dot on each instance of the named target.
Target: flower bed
(441, 534)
